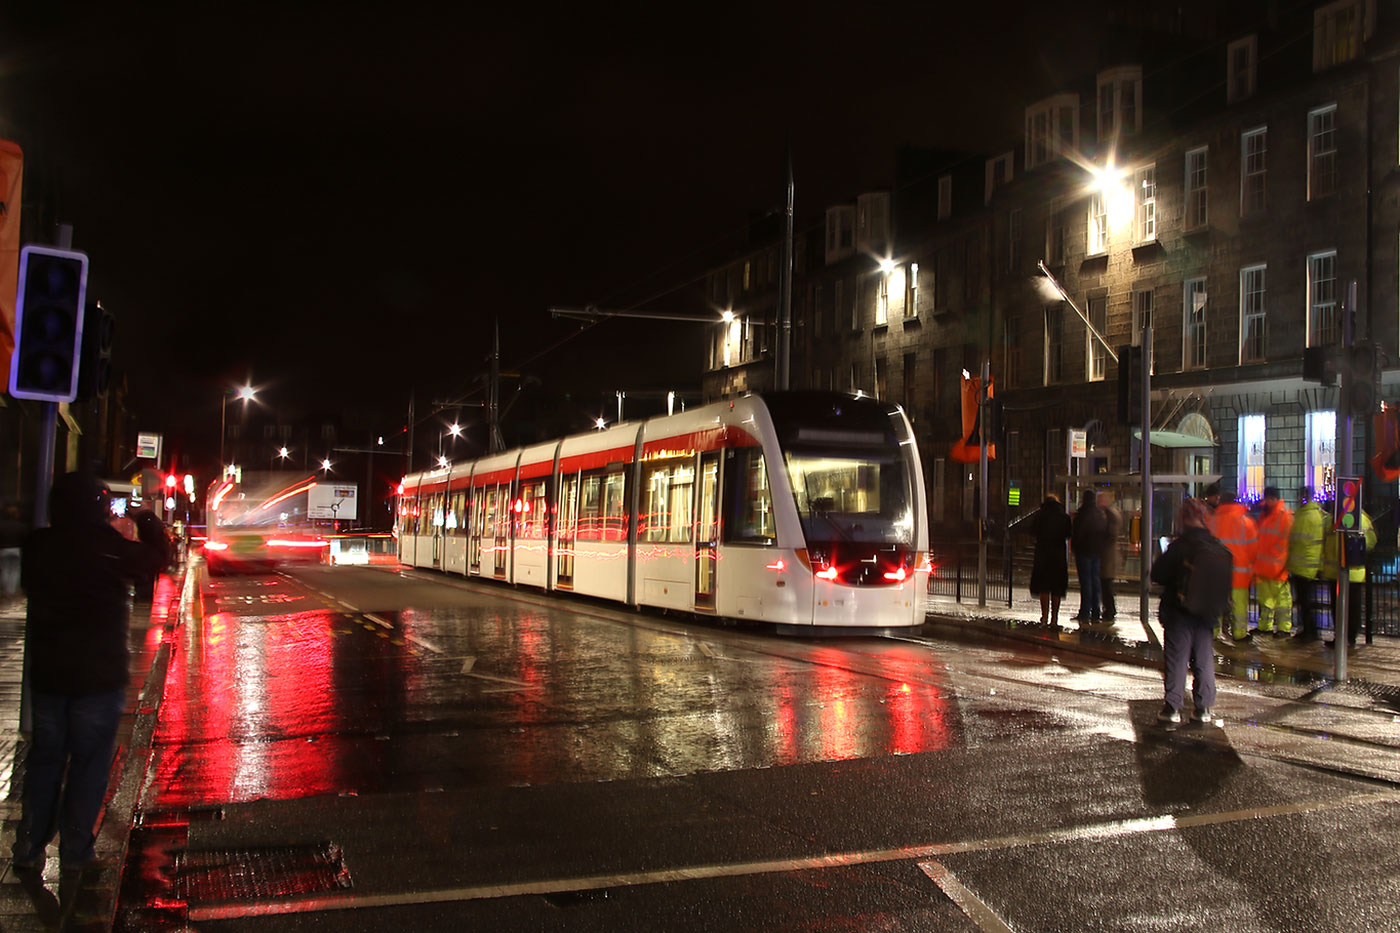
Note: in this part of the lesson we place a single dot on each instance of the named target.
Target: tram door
(502, 529)
(707, 531)
(439, 519)
(567, 530)
(476, 528)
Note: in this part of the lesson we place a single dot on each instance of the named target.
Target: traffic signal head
(95, 373)
(1130, 385)
(48, 324)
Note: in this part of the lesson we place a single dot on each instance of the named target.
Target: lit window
(1322, 299)
(1338, 31)
(998, 174)
(911, 303)
(1054, 343)
(1193, 349)
(1322, 151)
(1251, 457)
(1097, 353)
(1146, 187)
(1254, 149)
(882, 299)
(1098, 224)
(1196, 188)
(1321, 467)
(1252, 313)
(1142, 314)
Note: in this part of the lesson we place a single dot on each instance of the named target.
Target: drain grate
(215, 875)
(1384, 693)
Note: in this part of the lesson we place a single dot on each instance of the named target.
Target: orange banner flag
(11, 177)
(967, 449)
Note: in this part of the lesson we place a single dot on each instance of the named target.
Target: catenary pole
(1145, 535)
(1344, 467)
(783, 358)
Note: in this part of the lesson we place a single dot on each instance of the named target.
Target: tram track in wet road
(796, 783)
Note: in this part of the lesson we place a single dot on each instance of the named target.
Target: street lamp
(326, 465)
(246, 393)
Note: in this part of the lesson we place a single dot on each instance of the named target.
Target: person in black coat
(1050, 568)
(150, 531)
(1089, 539)
(75, 575)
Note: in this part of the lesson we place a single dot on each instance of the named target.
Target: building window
(1322, 151)
(1250, 464)
(1056, 235)
(1146, 187)
(1193, 324)
(818, 309)
(911, 301)
(1096, 352)
(1338, 31)
(882, 299)
(840, 232)
(1052, 129)
(1120, 90)
(1241, 60)
(852, 308)
(1321, 467)
(911, 384)
(1142, 314)
(945, 197)
(1013, 241)
(882, 386)
(1254, 147)
(1098, 224)
(1252, 313)
(1322, 299)
(1054, 343)
(940, 279)
(872, 224)
(840, 305)
(855, 377)
(1196, 216)
(998, 174)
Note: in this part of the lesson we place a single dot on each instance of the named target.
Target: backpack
(1207, 576)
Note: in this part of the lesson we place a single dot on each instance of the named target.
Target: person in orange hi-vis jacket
(1235, 529)
(1270, 566)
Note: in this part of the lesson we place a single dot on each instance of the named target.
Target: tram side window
(602, 511)
(437, 511)
(408, 516)
(750, 499)
(669, 488)
(457, 513)
(533, 519)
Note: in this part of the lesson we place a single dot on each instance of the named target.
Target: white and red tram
(799, 508)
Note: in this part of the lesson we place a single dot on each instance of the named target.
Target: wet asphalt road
(355, 748)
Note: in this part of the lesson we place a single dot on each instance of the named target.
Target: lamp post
(246, 393)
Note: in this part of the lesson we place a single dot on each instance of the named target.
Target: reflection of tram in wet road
(503, 757)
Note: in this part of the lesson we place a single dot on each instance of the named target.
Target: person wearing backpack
(1188, 611)
(1305, 561)
(1235, 529)
(1270, 566)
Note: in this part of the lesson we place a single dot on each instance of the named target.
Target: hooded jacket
(1235, 529)
(75, 575)
(1305, 541)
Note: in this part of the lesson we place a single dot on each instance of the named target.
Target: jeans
(78, 732)
(1187, 645)
(1089, 598)
(1110, 605)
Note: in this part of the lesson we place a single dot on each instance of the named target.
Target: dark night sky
(338, 200)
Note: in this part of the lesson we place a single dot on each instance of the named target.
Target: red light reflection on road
(233, 688)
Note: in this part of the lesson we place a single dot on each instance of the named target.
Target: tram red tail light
(215, 546)
(827, 573)
(897, 574)
(779, 565)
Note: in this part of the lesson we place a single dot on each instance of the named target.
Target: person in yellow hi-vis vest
(1270, 566)
(1310, 523)
(1235, 529)
(1356, 574)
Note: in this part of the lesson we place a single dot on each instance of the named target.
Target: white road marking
(972, 905)
(467, 664)
(378, 621)
(919, 853)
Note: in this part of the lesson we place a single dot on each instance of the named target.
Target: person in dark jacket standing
(1110, 562)
(1050, 567)
(1090, 530)
(75, 575)
(150, 531)
(1189, 640)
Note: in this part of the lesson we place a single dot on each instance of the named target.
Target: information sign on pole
(1078, 443)
(147, 446)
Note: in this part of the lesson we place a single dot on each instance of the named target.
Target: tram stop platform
(1372, 669)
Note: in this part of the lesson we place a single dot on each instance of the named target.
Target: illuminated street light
(442, 461)
(326, 465)
(727, 316)
(600, 423)
(887, 266)
(283, 452)
(246, 394)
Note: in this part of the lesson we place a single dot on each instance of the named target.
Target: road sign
(1078, 443)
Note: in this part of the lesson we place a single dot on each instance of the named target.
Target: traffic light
(1320, 365)
(95, 372)
(1129, 385)
(48, 324)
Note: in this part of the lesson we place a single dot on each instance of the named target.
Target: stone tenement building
(1226, 180)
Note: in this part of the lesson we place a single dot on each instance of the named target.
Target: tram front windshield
(849, 464)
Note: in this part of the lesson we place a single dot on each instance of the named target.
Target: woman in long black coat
(1050, 569)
